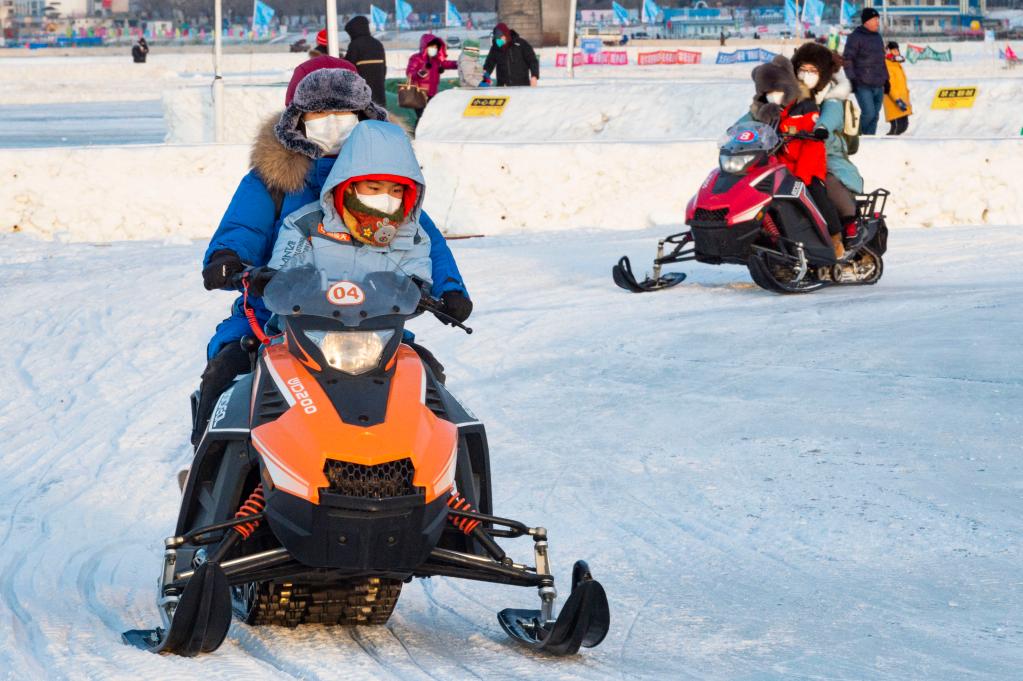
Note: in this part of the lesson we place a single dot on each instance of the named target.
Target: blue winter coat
(864, 58)
(248, 227)
(832, 102)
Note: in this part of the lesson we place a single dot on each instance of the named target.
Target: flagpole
(218, 78)
(331, 10)
(570, 64)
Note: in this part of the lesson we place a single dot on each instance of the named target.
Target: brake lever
(429, 305)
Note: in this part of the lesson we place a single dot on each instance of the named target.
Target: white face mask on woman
(329, 132)
(431, 51)
(385, 203)
(809, 78)
(776, 97)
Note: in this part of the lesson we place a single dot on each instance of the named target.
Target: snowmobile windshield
(747, 138)
(331, 289)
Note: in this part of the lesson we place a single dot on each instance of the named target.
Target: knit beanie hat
(323, 84)
(867, 14)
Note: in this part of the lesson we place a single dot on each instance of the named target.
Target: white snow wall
(172, 192)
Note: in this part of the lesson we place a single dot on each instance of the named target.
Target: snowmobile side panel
(215, 482)
(230, 418)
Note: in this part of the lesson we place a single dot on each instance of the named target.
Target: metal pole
(218, 78)
(332, 46)
(570, 64)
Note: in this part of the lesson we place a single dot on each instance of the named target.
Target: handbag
(851, 127)
(412, 96)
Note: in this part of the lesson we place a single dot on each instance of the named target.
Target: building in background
(931, 16)
(700, 22)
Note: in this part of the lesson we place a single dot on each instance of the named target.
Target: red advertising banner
(599, 59)
(668, 57)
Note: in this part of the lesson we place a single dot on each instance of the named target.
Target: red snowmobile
(751, 211)
(336, 471)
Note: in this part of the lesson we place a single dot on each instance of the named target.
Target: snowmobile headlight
(735, 163)
(353, 352)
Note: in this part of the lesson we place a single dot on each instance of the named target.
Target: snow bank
(188, 112)
(479, 187)
(170, 192)
(114, 193)
(642, 110)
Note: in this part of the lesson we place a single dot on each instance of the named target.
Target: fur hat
(777, 75)
(824, 60)
(325, 89)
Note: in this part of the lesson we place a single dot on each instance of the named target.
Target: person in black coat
(513, 57)
(865, 66)
(139, 51)
(367, 53)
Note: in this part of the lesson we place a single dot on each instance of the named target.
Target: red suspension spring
(466, 525)
(253, 505)
(771, 228)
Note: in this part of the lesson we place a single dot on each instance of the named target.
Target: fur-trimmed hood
(838, 88)
(281, 169)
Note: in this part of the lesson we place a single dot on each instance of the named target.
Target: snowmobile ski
(584, 620)
(624, 278)
(199, 622)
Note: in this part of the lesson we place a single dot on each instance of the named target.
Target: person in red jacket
(424, 67)
(786, 102)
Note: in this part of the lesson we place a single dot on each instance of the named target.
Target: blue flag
(790, 12)
(377, 17)
(813, 12)
(452, 17)
(621, 14)
(402, 11)
(262, 13)
(650, 12)
(848, 13)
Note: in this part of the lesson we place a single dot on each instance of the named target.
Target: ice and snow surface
(819, 487)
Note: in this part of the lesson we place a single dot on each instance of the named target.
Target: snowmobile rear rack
(624, 277)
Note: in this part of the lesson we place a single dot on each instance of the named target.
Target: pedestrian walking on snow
(865, 66)
(897, 108)
(367, 53)
(514, 59)
(140, 51)
(425, 66)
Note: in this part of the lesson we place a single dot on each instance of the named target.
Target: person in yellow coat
(896, 94)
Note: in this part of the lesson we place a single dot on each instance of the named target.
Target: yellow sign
(485, 106)
(954, 98)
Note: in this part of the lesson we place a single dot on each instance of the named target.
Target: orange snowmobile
(336, 471)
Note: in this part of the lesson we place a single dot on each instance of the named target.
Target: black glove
(456, 304)
(259, 277)
(224, 264)
(901, 103)
(820, 133)
(887, 87)
(769, 114)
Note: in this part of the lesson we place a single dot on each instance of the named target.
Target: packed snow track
(815, 487)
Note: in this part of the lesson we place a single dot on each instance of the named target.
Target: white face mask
(776, 97)
(431, 51)
(329, 132)
(809, 78)
(385, 203)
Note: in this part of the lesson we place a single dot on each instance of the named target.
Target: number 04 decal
(345, 293)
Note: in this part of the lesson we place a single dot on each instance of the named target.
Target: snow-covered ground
(819, 487)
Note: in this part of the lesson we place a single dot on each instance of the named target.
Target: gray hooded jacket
(374, 148)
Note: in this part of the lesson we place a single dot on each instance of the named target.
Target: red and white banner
(668, 57)
(599, 59)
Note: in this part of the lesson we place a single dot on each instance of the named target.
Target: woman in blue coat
(290, 160)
